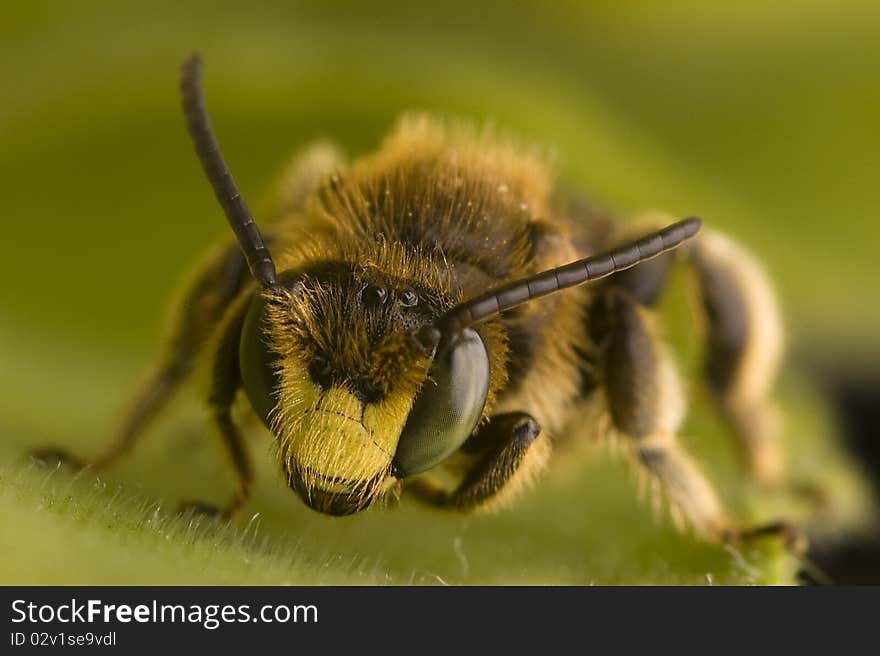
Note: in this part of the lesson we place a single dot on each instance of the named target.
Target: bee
(430, 320)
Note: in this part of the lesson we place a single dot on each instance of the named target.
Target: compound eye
(448, 407)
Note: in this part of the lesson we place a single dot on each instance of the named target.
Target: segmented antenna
(258, 258)
(569, 275)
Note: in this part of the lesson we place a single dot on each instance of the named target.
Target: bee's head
(334, 358)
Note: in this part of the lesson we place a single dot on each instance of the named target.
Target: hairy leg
(743, 339)
(502, 456)
(645, 405)
(225, 382)
(644, 401)
(744, 349)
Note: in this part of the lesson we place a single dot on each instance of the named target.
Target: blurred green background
(761, 119)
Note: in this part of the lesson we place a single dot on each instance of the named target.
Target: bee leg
(216, 283)
(506, 460)
(225, 382)
(503, 458)
(644, 401)
(645, 405)
(241, 463)
(744, 339)
(744, 349)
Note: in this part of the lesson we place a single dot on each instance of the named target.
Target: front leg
(225, 382)
(501, 450)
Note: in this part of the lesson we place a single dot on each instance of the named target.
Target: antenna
(237, 213)
(576, 273)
